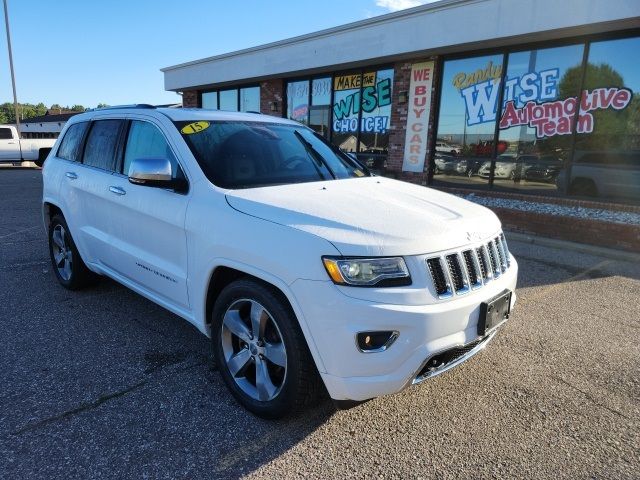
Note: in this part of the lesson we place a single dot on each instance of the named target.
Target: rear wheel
(260, 350)
(67, 264)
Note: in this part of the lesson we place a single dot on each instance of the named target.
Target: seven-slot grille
(459, 272)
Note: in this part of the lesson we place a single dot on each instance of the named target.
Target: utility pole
(13, 77)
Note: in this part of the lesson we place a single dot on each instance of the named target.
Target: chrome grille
(456, 273)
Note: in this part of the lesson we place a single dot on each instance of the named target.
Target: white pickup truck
(20, 151)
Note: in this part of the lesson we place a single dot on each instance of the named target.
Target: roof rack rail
(134, 105)
(253, 111)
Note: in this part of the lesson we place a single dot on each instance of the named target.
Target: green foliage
(29, 110)
(612, 128)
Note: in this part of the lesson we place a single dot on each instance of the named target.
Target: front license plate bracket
(494, 312)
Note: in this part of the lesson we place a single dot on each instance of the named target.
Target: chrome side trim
(475, 350)
(392, 338)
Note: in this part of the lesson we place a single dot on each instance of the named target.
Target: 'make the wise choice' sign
(415, 144)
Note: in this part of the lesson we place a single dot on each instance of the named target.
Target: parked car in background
(444, 147)
(505, 167)
(540, 168)
(16, 150)
(307, 273)
(449, 165)
(606, 174)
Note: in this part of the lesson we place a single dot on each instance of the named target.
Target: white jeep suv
(306, 272)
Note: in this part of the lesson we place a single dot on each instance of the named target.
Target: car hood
(371, 216)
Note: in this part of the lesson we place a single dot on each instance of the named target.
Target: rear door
(148, 235)
(89, 189)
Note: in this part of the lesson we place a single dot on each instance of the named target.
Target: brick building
(464, 95)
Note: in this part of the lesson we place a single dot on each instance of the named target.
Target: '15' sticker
(194, 127)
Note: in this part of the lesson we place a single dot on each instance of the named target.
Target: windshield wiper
(311, 151)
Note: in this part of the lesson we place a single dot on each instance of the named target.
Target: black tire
(583, 187)
(301, 386)
(79, 275)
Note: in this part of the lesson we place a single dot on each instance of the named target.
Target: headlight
(368, 272)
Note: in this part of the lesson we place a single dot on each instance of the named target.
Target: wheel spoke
(258, 319)
(264, 385)
(235, 324)
(276, 354)
(57, 238)
(67, 269)
(59, 259)
(239, 362)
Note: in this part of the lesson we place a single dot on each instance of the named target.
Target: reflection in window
(467, 120)
(606, 161)
(540, 93)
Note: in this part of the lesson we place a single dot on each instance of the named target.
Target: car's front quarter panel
(220, 236)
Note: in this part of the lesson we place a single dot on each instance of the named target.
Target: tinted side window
(71, 144)
(102, 142)
(146, 141)
(5, 134)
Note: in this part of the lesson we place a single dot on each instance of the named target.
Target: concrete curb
(578, 247)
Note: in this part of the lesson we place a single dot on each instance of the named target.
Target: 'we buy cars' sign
(415, 145)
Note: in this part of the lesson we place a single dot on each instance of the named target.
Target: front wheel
(261, 352)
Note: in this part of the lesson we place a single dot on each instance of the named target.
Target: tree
(610, 126)
(78, 108)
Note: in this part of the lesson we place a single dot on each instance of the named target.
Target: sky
(110, 51)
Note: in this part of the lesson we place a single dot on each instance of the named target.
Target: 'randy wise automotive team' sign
(415, 145)
(532, 100)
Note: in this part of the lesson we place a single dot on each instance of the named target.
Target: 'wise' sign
(415, 144)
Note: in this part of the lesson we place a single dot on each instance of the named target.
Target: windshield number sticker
(194, 127)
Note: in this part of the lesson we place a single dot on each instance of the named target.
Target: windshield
(235, 154)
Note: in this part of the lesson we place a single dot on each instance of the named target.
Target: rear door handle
(71, 175)
(117, 190)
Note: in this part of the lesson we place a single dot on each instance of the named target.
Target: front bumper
(334, 319)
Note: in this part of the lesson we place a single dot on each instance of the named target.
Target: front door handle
(117, 190)
(71, 175)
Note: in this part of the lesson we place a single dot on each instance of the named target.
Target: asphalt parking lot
(103, 383)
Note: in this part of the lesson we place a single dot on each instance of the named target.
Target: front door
(149, 244)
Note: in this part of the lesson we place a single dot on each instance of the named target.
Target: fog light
(375, 341)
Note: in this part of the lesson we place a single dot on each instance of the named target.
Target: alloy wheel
(62, 253)
(254, 350)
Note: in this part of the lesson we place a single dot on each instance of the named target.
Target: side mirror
(43, 153)
(155, 172)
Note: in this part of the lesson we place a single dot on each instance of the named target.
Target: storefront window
(467, 121)
(606, 161)
(210, 100)
(244, 100)
(250, 99)
(539, 107)
(346, 111)
(229, 100)
(320, 109)
(298, 101)
(362, 115)
(375, 120)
